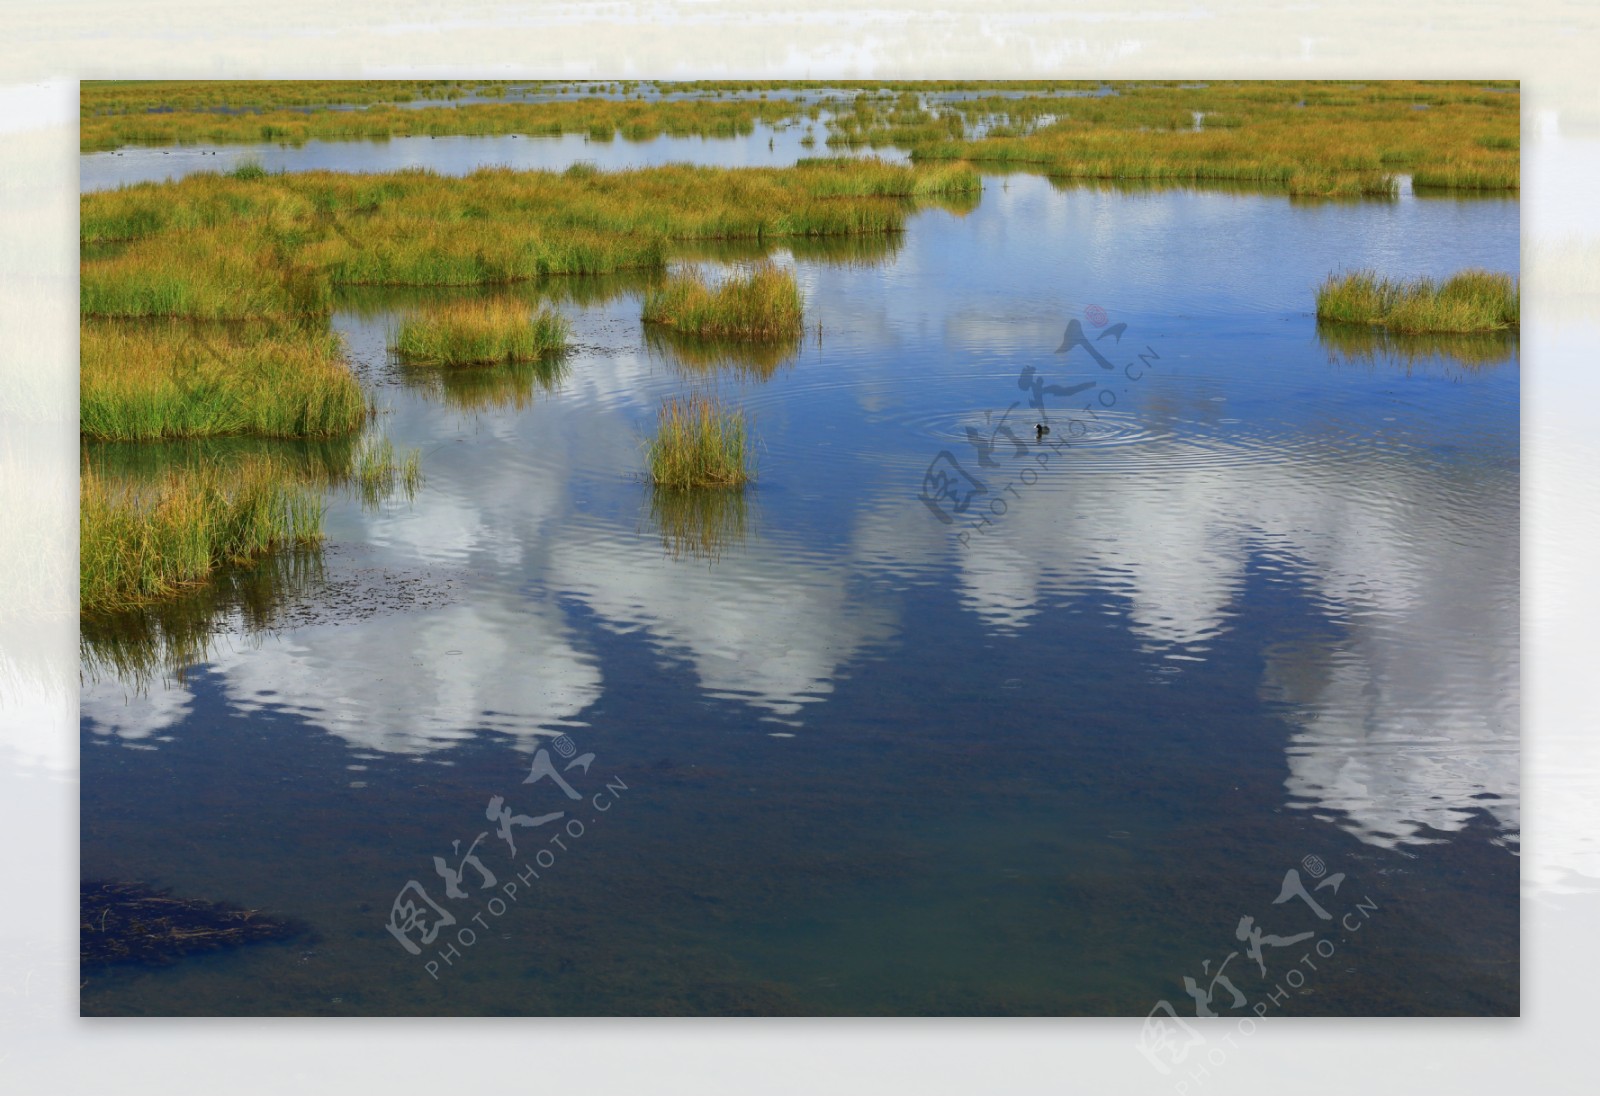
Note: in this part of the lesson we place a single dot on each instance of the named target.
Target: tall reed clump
(480, 333)
(141, 543)
(1471, 301)
(761, 305)
(699, 443)
(147, 382)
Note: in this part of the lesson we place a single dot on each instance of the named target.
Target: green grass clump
(1471, 301)
(142, 543)
(480, 333)
(761, 305)
(149, 382)
(699, 444)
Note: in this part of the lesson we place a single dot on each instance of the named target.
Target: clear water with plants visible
(1242, 627)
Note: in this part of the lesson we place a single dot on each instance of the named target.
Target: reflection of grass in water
(485, 388)
(862, 251)
(162, 639)
(1471, 301)
(699, 443)
(1360, 343)
(696, 355)
(322, 462)
(699, 523)
(376, 475)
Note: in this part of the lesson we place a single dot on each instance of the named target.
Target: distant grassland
(250, 246)
(101, 97)
(1311, 138)
(601, 119)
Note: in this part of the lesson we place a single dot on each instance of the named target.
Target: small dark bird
(1039, 431)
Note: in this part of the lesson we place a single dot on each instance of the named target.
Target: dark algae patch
(123, 922)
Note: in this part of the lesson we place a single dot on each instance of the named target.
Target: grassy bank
(699, 443)
(763, 304)
(150, 382)
(466, 333)
(138, 544)
(1471, 301)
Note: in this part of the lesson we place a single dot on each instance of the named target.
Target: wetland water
(1262, 608)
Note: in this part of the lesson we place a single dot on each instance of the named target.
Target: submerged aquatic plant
(699, 443)
(122, 922)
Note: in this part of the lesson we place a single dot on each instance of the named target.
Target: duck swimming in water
(1039, 431)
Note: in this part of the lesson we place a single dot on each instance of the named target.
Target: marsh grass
(1471, 301)
(108, 97)
(142, 543)
(215, 247)
(209, 273)
(1313, 138)
(480, 333)
(762, 304)
(699, 443)
(149, 382)
(599, 119)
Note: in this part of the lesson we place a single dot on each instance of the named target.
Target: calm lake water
(1258, 614)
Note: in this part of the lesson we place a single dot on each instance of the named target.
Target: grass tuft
(699, 444)
(142, 543)
(1471, 301)
(480, 333)
(761, 305)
